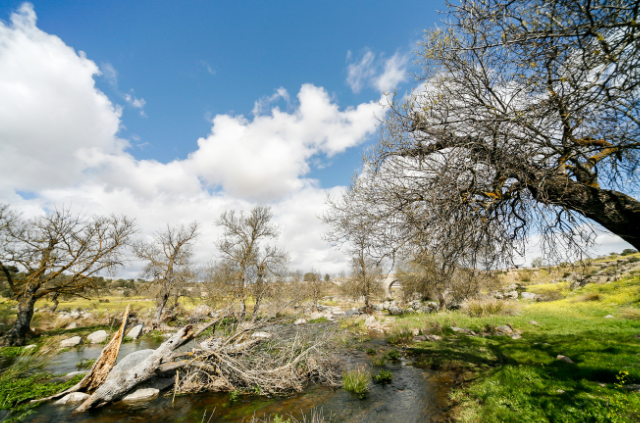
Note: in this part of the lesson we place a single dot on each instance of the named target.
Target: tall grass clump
(489, 307)
(315, 416)
(357, 381)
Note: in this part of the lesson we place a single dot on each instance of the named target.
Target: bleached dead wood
(101, 368)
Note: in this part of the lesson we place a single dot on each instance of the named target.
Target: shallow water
(414, 395)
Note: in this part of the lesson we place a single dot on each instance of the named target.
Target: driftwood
(115, 387)
(101, 368)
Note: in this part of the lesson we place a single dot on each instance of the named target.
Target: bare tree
(315, 287)
(58, 253)
(355, 227)
(241, 249)
(166, 259)
(524, 124)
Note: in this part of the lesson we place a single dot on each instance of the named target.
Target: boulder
(433, 338)
(338, 313)
(71, 342)
(529, 296)
(511, 295)
(564, 358)
(142, 394)
(409, 310)
(98, 336)
(415, 304)
(463, 330)
(72, 397)
(516, 336)
(376, 307)
(75, 314)
(426, 309)
(300, 322)
(424, 338)
(135, 332)
(533, 322)
(72, 325)
(504, 330)
(371, 321)
(395, 311)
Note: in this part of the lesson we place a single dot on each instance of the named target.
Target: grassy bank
(520, 380)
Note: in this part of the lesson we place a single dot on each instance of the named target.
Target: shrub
(393, 355)
(399, 336)
(383, 377)
(357, 381)
(590, 296)
(379, 361)
(489, 307)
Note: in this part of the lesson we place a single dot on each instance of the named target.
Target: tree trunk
(55, 302)
(17, 335)
(614, 210)
(157, 318)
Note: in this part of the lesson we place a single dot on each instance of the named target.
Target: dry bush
(61, 322)
(489, 307)
(590, 296)
(630, 313)
(287, 362)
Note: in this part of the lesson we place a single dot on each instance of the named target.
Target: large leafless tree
(249, 264)
(56, 254)
(525, 123)
(167, 262)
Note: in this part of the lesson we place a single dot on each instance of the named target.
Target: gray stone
(72, 325)
(504, 330)
(135, 331)
(71, 342)
(97, 337)
(631, 387)
(608, 316)
(75, 314)
(371, 321)
(300, 322)
(339, 313)
(424, 338)
(511, 294)
(72, 397)
(142, 394)
(533, 322)
(463, 330)
(564, 358)
(516, 336)
(528, 296)
(395, 311)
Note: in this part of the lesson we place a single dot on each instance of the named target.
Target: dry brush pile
(233, 357)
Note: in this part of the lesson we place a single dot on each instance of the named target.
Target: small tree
(246, 259)
(57, 254)
(315, 287)
(166, 259)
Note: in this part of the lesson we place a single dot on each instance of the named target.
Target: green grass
(384, 376)
(319, 320)
(521, 380)
(357, 381)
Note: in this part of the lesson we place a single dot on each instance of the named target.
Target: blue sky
(175, 111)
(192, 60)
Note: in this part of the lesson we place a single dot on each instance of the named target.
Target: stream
(414, 395)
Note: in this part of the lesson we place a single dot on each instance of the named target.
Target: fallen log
(116, 386)
(101, 368)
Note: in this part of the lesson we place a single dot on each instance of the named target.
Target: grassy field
(521, 380)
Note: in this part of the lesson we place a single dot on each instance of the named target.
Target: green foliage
(379, 361)
(15, 351)
(318, 320)
(357, 381)
(234, 395)
(156, 335)
(371, 351)
(399, 336)
(393, 355)
(384, 376)
(280, 419)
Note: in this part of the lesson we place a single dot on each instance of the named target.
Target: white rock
(528, 296)
(516, 336)
(72, 397)
(533, 322)
(608, 316)
(71, 342)
(564, 358)
(97, 337)
(72, 325)
(142, 394)
(265, 335)
(28, 347)
(300, 322)
(371, 321)
(504, 330)
(75, 314)
(135, 332)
